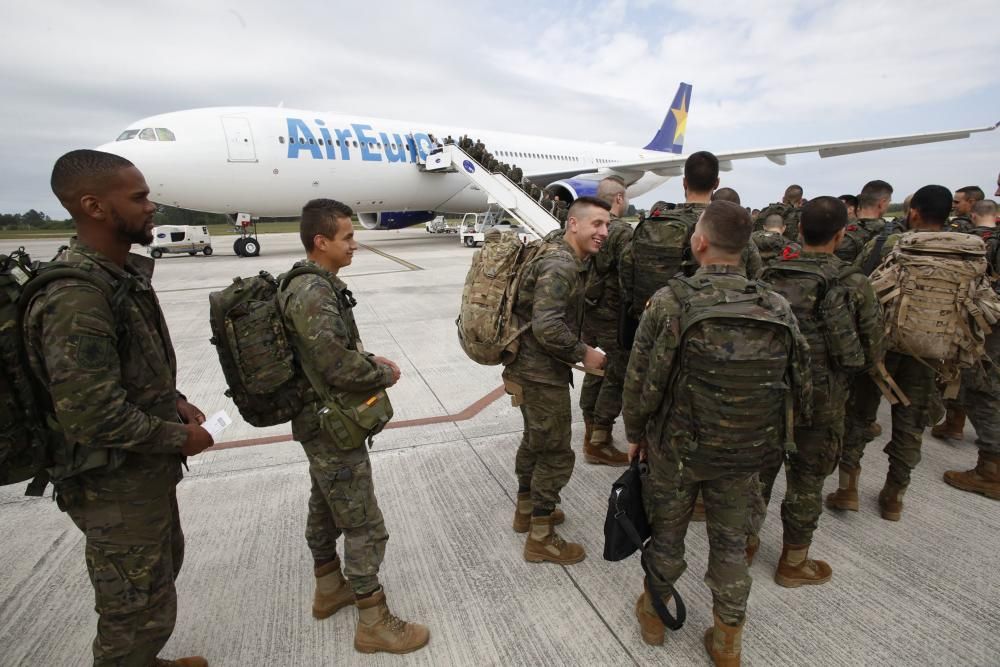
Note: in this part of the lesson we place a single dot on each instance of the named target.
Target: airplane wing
(669, 164)
(673, 165)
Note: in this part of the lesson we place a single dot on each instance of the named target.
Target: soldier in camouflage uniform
(980, 393)
(717, 439)
(551, 299)
(873, 202)
(928, 213)
(771, 242)
(854, 331)
(317, 311)
(961, 210)
(601, 397)
(851, 202)
(110, 374)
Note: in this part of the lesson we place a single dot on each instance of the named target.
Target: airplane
(267, 162)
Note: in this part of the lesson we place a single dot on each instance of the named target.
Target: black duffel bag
(626, 530)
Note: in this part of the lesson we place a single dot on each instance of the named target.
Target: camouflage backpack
(822, 306)
(938, 302)
(788, 213)
(857, 234)
(487, 328)
(660, 250)
(773, 246)
(731, 403)
(257, 359)
(28, 439)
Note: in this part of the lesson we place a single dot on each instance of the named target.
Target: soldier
(771, 241)
(928, 213)
(700, 432)
(516, 174)
(108, 367)
(317, 311)
(873, 202)
(726, 194)
(793, 200)
(980, 393)
(851, 202)
(965, 198)
(601, 397)
(840, 317)
(551, 297)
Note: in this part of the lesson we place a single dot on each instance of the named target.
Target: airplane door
(239, 139)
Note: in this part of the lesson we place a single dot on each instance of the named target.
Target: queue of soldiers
(662, 309)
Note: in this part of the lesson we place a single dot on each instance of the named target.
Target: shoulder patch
(93, 353)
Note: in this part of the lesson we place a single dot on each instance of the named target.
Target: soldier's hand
(198, 440)
(637, 449)
(594, 359)
(189, 414)
(391, 364)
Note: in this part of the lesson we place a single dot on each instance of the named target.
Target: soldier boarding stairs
(500, 190)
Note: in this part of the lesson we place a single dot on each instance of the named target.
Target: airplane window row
(336, 142)
(148, 134)
(542, 156)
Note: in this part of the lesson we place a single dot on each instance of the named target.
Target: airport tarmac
(922, 591)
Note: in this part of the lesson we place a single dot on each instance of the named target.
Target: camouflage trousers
(134, 551)
(601, 397)
(980, 396)
(817, 452)
(342, 502)
(859, 419)
(908, 421)
(668, 495)
(545, 458)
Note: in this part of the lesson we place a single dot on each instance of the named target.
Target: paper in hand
(217, 423)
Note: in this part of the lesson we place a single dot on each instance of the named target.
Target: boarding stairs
(499, 189)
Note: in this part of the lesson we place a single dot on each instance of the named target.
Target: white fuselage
(270, 161)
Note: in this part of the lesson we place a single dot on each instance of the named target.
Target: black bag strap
(657, 595)
(875, 258)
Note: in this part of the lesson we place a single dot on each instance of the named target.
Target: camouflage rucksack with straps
(857, 234)
(938, 302)
(773, 246)
(788, 213)
(258, 362)
(661, 249)
(731, 399)
(31, 442)
(488, 329)
(822, 305)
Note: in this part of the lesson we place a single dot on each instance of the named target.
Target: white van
(180, 239)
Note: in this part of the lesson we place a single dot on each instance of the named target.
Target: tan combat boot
(652, 628)
(753, 544)
(698, 513)
(983, 479)
(601, 451)
(193, 661)
(545, 544)
(332, 592)
(522, 514)
(890, 501)
(378, 630)
(588, 427)
(846, 496)
(724, 643)
(795, 568)
(953, 426)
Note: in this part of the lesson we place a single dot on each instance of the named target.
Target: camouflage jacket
(551, 298)
(653, 356)
(960, 223)
(604, 298)
(890, 241)
(318, 316)
(857, 235)
(112, 384)
(991, 237)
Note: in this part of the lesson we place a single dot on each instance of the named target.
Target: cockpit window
(163, 134)
(147, 134)
(127, 134)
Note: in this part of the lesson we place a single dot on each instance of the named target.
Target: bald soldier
(99, 346)
(601, 397)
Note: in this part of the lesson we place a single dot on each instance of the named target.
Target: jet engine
(394, 219)
(570, 188)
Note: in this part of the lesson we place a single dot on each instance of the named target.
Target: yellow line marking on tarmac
(403, 262)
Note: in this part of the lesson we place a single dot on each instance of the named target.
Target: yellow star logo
(681, 119)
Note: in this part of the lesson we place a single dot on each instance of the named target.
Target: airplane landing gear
(247, 244)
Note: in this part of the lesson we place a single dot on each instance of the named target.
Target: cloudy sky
(74, 74)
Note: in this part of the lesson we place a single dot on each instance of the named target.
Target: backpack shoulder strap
(875, 258)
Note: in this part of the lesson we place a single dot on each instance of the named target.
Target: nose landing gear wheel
(238, 246)
(251, 248)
